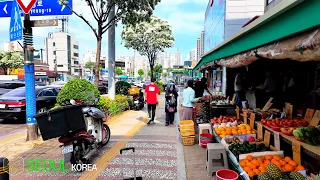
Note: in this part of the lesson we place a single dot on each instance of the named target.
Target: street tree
(141, 73)
(89, 65)
(148, 38)
(127, 11)
(165, 74)
(10, 60)
(170, 69)
(119, 71)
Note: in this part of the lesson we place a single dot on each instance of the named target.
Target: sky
(185, 16)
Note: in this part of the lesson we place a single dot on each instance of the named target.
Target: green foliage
(104, 103)
(119, 71)
(89, 65)
(165, 74)
(149, 73)
(78, 89)
(114, 107)
(140, 72)
(122, 87)
(10, 60)
(160, 85)
(170, 69)
(148, 38)
(127, 12)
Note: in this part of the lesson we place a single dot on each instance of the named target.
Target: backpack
(172, 102)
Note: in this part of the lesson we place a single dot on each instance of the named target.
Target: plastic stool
(216, 158)
(203, 127)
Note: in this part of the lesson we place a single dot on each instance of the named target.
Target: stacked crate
(187, 132)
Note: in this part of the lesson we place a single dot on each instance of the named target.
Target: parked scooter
(78, 147)
(138, 100)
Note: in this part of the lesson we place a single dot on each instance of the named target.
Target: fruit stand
(246, 136)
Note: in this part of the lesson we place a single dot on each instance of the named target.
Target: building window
(76, 62)
(54, 53)
(76, 70)
(60, 65)
(76, 54)
(75, 46)
(54, 44)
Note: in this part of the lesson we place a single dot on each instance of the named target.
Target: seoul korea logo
(20, 165)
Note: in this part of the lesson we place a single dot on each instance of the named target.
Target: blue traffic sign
(15, 23)
(41, 8)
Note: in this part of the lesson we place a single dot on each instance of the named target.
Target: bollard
(4, 168)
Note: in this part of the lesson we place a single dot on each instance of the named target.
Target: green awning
(285, 19)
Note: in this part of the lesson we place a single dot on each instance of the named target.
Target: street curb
(181, 166)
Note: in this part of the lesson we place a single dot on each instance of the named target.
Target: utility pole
(28, 49)
(41, 54)
(111, 56)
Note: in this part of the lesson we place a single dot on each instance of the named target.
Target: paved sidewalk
(159, 153)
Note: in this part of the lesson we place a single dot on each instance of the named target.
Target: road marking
(14, 138)
(108, 156)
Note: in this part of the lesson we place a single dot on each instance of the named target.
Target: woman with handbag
(171, 104)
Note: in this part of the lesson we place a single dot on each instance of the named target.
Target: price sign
(316, 118)
(277, 140)
(238, 112)
(252, 118)
(233, 99)
(309, 114)
(245, 118)
(296, 148)
(260, 131)
(267, 138)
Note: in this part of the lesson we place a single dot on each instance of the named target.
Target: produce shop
(270, 134)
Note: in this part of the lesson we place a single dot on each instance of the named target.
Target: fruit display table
(309, 155)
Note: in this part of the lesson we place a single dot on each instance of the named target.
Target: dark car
(6, 86)
(103, 86)
(145, 84)
(13, 103)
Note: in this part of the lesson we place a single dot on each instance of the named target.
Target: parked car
(146, 83)
(59, 84)
(6, 86)
(103, 86)
(138, 84)
(13, 103)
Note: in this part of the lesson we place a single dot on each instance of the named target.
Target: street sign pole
(29, 79)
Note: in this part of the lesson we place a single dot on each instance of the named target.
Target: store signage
(309, 114)
(316, 118)
(252, 118)
(276, 136)
(266, 138)
(260, 131)
(296, 148)
(40, 73)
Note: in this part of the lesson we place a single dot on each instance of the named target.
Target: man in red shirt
(151, 93)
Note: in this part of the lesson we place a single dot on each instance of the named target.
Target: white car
(138, 83)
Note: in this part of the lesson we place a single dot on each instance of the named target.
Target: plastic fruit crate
(188, 141)
(186, 125)
(188, 133)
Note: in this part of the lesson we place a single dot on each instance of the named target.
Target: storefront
(286, 44)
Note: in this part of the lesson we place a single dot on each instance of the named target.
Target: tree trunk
(97, 65)
(152, 73)
(5, 71)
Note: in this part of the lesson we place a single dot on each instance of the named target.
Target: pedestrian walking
(171, 104)
(189, 101)
(151, 96)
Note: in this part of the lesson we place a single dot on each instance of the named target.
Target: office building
(62, 53)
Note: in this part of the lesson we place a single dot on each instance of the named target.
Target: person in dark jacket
(171, 104)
